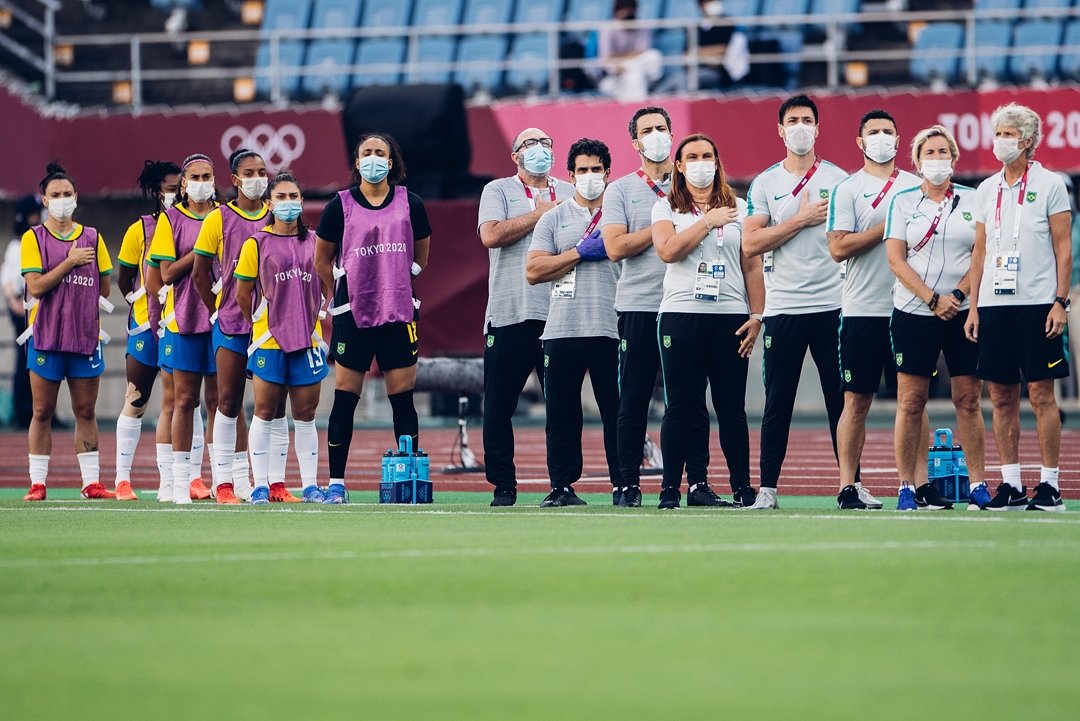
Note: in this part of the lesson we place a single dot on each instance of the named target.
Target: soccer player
(159, 181)
(66, 267)
(286, 357)
(378, 233)
(1020, 271)
(566, 254)
(515, 314)
(855, 230)
(785, 226)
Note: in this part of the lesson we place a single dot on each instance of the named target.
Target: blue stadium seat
(282, 15)
(539, 11)
(997, 4)
(436, 13)
(937, 36)
(168, 5)
(1047, 4)
(741, 8)
(387, 14)
(834, 7)
(488, 12)
(336, 13)
(375, 51)
(481, 47)
(1070, 55)
(434, 50)
(334, 51)
(532, 47)
(679, 9)
(784, 7)
(990, 35)
(1034, 34)
(672, 41)
(650, 9)
(589, 10)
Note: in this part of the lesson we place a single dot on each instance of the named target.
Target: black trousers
(787, 338)
(566, 361)
(698, 349)
(511, 353)
(22, 402)
(639, 362)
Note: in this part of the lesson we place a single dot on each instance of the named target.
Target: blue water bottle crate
(405, 475)
(947, 468)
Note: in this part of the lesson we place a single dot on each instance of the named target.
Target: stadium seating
(374, 51)
(488, 12)
(997, 4)
(990, 36)
(778, 8)
(282, 15)
(650, 9)
(1070, 55)
(1047, 4)
(437, 51)
(589, 10)
(340, 51)
(539, 11)
(387, 14)
(937, 36)
(1039, 34)
(534, 76)
(481, 47)
(437, 13)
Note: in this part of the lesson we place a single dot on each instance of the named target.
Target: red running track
(810, 468)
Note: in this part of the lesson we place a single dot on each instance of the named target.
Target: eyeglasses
(531, 142)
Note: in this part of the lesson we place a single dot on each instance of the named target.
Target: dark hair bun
(54, 169)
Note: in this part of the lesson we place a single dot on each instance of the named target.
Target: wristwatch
(1063, 302)
(959, 295)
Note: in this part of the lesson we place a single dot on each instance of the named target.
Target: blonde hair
(1024, 119)
(934, 131)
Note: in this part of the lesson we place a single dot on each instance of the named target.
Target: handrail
(47, 30)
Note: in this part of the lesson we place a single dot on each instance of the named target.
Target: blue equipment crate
(946, 467)
(405, 475)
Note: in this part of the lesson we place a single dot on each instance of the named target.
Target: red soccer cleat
(97, 491)
(225, 495)
(37, 493)
(280, 494)
(199, 491)
(124, 492)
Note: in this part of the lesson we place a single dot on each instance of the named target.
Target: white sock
(337, 482)
(1049, 475)
(307, 451)
(224, 448)
(198, 444)
(1010, 473)
(164, 463)
(89, 467)
(39, 469)
(259, 448)
(128, 431)
(240, 470)
(279, 449)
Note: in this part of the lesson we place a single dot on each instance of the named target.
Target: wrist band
(932, 303)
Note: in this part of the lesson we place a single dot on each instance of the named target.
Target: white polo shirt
(1044, 196)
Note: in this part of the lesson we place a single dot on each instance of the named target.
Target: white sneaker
(164, 492)
(766, 500)
(867, 498)
(181, 494)
(242, 490)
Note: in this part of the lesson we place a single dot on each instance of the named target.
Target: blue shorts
(143, 347)
(58, 365)
(299, 368)
(191, 353)
(236, 343)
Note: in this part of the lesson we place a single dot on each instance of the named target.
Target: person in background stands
(27, 215)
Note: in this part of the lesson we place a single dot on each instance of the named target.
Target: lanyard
(798, 189)
(651, 183)
(1019, 207)
(529, 193)
(934, 223)
(593, 223)
(719, 235)
(879, 198)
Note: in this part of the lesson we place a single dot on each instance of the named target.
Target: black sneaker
(1046, 498)
(669, 498)
(560, 497)
(744, 497)
(1007, 498)
(701, 495)
(927, 498)
(848, 499)
(504, 497)
(629, 497)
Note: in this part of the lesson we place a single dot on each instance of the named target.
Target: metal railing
(832, 52)
(46, 28)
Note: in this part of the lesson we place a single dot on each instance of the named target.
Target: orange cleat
(225, 495)
(199, 491)
(97, 491)
(37, 493)
(280, 494)
(124, 492)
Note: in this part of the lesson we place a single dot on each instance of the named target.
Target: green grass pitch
(457, 611)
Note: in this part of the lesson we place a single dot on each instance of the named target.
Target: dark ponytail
(285, 175)
(53, 171)
(239, 155)
(152, 176)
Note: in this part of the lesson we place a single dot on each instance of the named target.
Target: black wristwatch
(1063, 302)
(959, 295)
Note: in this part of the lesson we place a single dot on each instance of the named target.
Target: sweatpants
(511, 353)
(639, 362)
(698, 349)
(565, 362)
(786, 340)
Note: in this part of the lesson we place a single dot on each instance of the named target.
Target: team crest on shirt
(40, 360)
(899, 359)
(1030, 198)
(667, 341)
(261, 362)
(139, 344)
(967, 216)
(490, 341)
(824, 193)
(340, 348)
(768, 341)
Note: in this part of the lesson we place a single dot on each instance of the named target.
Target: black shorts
(865, 353)
(1013, 345)
(393, 345)
(918, 341)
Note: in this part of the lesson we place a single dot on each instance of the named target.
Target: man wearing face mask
(627, 231)
(516, 311)
(855, 229)
(567, 255)
(785, 225)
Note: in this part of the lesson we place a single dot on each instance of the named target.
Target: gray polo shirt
(591, 312)
(629, 201)
(510, 298)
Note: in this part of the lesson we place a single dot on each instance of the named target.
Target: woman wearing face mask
(708, 323)
(217, 251)
(929, 231)
(66, 267)
(581, 334)
(158, 182)
(277, 265)
(185, 349)
(372, 239)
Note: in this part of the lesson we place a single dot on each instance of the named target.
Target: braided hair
(152, 176)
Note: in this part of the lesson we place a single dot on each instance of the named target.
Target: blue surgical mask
(537, 160)
(288, 210)
(373, 168)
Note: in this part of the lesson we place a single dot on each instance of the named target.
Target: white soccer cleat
(868, 499)
(766, 500)
(242, 490)
(165, 492)
(181, 494)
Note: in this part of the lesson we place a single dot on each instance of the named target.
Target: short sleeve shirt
(31, 256)
(629, 202)
(132, 251)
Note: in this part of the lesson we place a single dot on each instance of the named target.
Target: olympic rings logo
(279, 147)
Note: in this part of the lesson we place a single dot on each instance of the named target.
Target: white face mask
(62, 208)
(590, 185)
(880, 148)
(167, 199)
(253, 188)
(1006, 149)
(656, 146)
(700, 173)
(200, 192)
(800, 138)
(936, 171)
(714, 8)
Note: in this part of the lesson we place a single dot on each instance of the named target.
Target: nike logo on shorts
(1059, 361)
